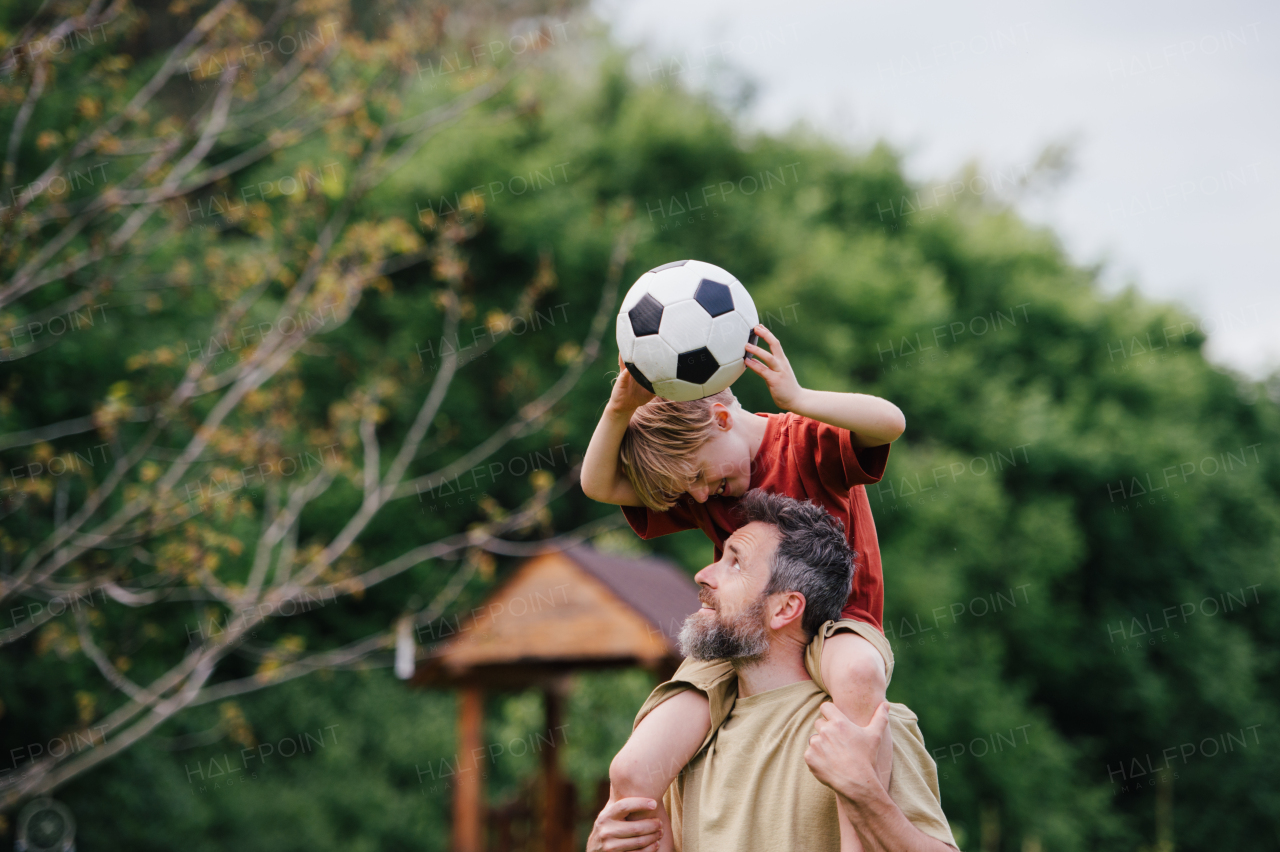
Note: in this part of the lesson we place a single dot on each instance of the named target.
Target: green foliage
(1023, 593)
(329, 763)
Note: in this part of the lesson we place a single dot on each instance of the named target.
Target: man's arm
(602, 478)
(881, 826)
(842, 755)
(872, 420)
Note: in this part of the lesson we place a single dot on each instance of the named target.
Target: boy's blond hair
(661, 444)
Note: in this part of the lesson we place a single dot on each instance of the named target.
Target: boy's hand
(613, 832)
(628, 394)
(774, 368)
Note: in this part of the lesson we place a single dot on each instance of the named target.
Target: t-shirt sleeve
(913, 786)
(716, 679)
(841, 465)
(650, 524)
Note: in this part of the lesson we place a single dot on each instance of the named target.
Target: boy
(673, 466)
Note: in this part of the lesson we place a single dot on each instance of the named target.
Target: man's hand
(628, 394)
(613, 833)
(842, 753)
(775, 369)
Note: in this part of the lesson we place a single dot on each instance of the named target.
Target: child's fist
(628, 394)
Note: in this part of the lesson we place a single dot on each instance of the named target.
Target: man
(786, 769)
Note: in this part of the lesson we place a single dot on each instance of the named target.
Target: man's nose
(699, 493)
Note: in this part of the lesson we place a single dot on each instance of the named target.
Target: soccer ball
(683, 330)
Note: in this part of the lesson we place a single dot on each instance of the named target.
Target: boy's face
(724, 462)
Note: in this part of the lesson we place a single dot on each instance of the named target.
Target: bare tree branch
(192, 426)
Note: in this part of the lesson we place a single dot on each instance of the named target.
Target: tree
(1038, 517)
(277, 270)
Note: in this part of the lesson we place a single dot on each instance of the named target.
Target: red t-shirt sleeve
(840, 464)
(650, 524)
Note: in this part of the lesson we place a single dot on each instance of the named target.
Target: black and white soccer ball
(683, 329)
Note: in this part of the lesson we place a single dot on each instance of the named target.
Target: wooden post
(555, 837)
(468, 794)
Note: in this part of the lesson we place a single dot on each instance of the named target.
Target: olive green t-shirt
(748, 789)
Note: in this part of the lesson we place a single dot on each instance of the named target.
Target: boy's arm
(665, 740)
(602, 478)
(854, 675)
(872, 420)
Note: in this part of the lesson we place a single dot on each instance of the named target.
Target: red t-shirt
(808, 460)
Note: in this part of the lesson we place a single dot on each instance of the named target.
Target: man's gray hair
(813, 555)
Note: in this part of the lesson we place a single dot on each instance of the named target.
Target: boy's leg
(662, 743)
(854, 673)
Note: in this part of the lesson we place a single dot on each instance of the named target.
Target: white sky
(1174, 109)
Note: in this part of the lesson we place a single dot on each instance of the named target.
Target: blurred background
(307, 318)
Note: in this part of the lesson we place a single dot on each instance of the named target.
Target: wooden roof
(563, 610)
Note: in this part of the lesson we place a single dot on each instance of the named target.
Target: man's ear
(788, 608)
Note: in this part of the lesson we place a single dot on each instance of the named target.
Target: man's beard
(743, 639)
